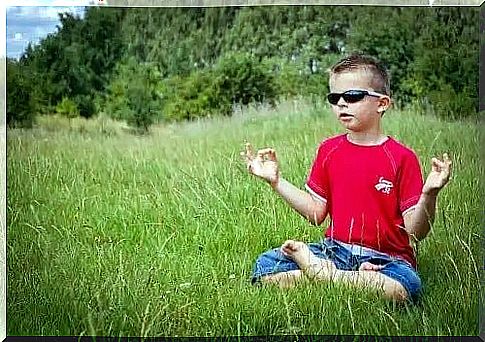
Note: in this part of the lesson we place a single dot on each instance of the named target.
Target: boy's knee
(402, 283)
(395, 291)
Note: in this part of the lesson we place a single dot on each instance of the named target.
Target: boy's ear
(384, 104)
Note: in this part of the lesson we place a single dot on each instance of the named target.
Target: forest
(148, 65)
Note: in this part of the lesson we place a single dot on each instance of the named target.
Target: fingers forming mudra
(262, 164)
(439, 175)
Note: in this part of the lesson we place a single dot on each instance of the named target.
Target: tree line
(149, 64)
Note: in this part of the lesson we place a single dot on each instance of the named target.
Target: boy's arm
(308, 206)
(265, 165)
(418, 222)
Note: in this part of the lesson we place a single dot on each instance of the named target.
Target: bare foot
(367, 266)
(307, 261)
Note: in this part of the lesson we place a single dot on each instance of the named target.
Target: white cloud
(40, 32)
(42, 13)
(31, 23)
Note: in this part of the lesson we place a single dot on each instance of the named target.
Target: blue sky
(34, 21)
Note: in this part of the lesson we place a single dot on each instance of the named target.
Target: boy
(371, 186)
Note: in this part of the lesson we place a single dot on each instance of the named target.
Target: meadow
(113, 234)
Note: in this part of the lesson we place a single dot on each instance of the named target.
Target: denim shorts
(345, 257)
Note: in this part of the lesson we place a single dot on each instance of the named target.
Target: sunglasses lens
(333, 98)
(353, 96)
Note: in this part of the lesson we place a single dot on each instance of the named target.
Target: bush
(241, 79)
(449, 104)
(132, 95)
(235, 79)
(142, 105)
(295, 78)
(191, 97)
(85, 104)
(67, 108)
(288, 80)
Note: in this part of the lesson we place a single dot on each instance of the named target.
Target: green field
(121, 235)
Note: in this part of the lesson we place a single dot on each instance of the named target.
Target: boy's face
(361, 116)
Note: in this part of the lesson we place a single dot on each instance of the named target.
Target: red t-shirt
(367, 190)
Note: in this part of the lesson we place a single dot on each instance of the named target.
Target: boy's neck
(366, 138)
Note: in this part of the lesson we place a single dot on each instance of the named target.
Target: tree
(22, 102)
(132, 94)
(445, 67)
(77, 60)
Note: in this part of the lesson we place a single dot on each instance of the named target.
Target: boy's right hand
(262, 164)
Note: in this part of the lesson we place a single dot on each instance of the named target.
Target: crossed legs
(313, 268)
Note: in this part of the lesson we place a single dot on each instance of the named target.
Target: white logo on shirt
(384, 186)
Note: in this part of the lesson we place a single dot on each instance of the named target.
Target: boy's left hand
(439, 175)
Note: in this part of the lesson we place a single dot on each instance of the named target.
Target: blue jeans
(345, 257)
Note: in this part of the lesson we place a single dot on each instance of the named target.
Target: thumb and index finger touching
(268, 153)
(441, 165)
(250, 155)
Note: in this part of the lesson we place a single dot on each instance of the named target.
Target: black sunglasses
(351, 96)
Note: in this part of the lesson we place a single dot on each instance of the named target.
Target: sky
(34, 20)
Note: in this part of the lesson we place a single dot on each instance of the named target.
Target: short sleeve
(410, 182)
(318, 183)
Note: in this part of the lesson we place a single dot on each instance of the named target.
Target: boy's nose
(341, 102)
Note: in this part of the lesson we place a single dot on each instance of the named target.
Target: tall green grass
(115, 234)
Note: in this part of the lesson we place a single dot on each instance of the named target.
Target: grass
(120, 235)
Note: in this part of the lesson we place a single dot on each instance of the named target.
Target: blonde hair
(380, 77)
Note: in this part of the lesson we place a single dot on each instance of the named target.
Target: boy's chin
(348, 124)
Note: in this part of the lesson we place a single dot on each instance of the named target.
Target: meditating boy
(369, 184)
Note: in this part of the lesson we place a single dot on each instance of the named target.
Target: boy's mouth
(345, 115)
